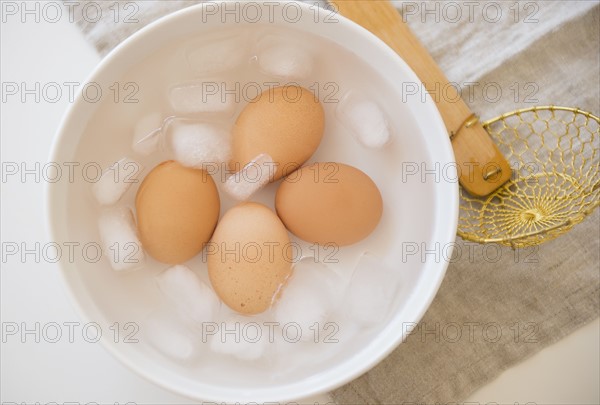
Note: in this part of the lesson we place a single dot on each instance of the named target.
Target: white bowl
(422, 214)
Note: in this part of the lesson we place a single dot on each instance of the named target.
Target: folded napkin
(496, 306)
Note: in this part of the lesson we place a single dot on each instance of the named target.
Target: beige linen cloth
(496, 306)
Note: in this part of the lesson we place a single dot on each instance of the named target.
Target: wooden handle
(482, 168)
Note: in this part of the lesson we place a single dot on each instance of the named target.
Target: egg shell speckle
(247, 258)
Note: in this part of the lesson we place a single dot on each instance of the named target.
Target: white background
(565, 373)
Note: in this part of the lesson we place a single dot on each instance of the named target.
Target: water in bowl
(226, 70)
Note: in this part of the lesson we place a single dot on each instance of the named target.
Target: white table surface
(565, 373)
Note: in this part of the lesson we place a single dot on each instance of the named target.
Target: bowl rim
(359, 365)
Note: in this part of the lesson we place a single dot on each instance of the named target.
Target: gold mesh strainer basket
(553, 152)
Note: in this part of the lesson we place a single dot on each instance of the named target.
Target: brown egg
(177, 211)
(329, 203)
(248, 258)
(286, 123)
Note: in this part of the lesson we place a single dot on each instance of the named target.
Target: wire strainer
(555, 182)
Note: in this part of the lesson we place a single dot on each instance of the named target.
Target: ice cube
(193, 299)
(288, 350)
(310, 296)
(245, 338)
(217, 55)
(254, 176)
(146, 134)
(120, 243)
(115, 181)
(207, 97)
(365, 119)
(342, 333)
(197, 144)
(289, 354)
(169, 337)
(285, 61)
(371, 291)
